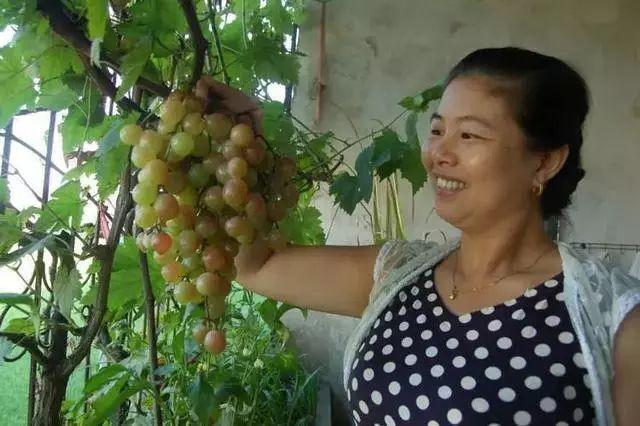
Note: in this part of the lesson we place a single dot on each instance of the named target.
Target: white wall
(380, 51)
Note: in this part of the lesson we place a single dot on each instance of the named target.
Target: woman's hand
(234, 102)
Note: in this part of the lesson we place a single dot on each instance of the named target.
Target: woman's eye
(435, 132)
(466, 135)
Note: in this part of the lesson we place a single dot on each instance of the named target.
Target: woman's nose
(442, 151)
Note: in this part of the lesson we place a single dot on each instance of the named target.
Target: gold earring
(538, 189)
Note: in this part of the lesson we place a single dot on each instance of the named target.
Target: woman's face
(476, 156)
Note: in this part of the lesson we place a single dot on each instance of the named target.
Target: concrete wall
(380, 51)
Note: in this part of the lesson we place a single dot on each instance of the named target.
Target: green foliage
(133, 64)
(66, 290)
(63, 211)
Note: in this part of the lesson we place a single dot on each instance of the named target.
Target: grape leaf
(365, 174)
(278, 16)
(345, 190)
(111, 158)
(388, 151)
(278, 128)
(55, 95)
(97, 15)
(64, 206)
(133, 64)
(412, 169)
(202, 398)
(303, 225)
(15, 85)
(20, 326)
(420, 103)
(66, 289)
(105, 375)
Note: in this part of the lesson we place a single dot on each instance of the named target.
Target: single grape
(212, 199)
(188, 196)
(185, 292)
(193, 124)
(176, 182)
(230, 247)
(255, 152)
(188, 243)
(162, 242)
(148, 241)
(235, 192)
(229, 150)
(198, 175)
(172, 111)
(241, 135)
(276, 211)
(152, 140)
(290, 195)
(266, 165)
(287, 167)
(215, 307)
(172, 271)
(240, 228)
(199, 332)
(214, 258)
(222, 173)
(256, 209)
(165, 128)
(218, 126)
(212, 161)
(215, 341)
(212, 284)
(181, 144)
(206, 226)
(145, 216)
(154, 172)
(141, 156)
(201, 146)
(185, 220)
(166, 257)
(193, 104)
(192, 263)
(237, 167)
(130, 134)
(166, 207)
(144, 193)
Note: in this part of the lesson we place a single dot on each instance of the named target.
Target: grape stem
(200, 43)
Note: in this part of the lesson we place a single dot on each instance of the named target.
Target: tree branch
(199, 42)
(106, 254)
(216, 38)
(151, 331)
(28, 343)
(106, 87)
(63, 24)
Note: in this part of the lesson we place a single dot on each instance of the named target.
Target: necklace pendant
(454, 294)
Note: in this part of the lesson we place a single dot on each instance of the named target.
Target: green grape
(215, 307)
(144, 193)
(145, 216)
(218, 126)
(212, 161)
(255, 152)
(165, 128)
(181, 144)
(188, 243)
(198, 175)
(172, 111)
(199, 332)
(166, 207)
(240, 228)
(241, 135)
(212, 284)
(201, 146)
(235, 192)
(212, 199)
(193, 124)
(141, 156)
(185, 292)
(176, 182)
(222, 173)
(229, 150)
(188, 196)
(237, 167)
(152, 140)
(214, 259)
(155, 172)
(206, 226)
(130, 134)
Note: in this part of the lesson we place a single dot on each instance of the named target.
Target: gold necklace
(455, 291)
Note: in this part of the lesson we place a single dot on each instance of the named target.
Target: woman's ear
(551, 163)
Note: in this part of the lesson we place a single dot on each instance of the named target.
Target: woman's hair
(550, 101)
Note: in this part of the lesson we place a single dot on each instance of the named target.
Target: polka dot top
(518, 362)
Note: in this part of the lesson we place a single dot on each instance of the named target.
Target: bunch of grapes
(206, 185)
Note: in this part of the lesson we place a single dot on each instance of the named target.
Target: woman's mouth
(448, 186)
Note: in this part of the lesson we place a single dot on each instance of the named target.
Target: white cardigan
(597, 297)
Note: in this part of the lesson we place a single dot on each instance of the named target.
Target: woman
(500, 326)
